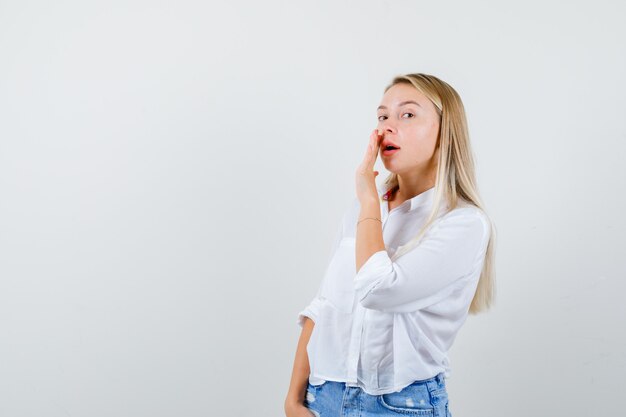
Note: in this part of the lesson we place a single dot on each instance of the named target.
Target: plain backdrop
(172, 175)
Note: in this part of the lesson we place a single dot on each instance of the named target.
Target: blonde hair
(456, 177)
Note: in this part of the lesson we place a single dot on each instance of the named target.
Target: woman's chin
(391, 167)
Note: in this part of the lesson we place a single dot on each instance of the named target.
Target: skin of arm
(369, 240)
(369, 233)
(301, 370)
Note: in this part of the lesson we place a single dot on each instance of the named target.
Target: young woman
(410, 261)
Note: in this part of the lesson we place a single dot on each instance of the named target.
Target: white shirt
(393, 323)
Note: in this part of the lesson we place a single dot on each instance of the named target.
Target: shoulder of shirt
(464, 211)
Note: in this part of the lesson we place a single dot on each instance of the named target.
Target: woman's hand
(298, 410)
(365, 174)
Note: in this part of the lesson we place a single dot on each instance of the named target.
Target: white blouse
(393, 323)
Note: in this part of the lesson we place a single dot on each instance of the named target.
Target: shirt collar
(424, 198)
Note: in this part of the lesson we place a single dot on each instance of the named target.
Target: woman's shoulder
(466, 212)
(463, 208)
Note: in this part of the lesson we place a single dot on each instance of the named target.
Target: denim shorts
(427, 397)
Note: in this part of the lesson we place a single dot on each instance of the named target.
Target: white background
(172, 175)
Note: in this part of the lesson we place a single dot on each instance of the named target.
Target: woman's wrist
(369, 208)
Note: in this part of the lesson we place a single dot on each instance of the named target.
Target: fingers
(365, 161)
(375, 141)
(369, 159)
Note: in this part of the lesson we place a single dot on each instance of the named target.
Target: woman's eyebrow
(401, 104)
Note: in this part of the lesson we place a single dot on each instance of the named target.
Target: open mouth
(389, 150)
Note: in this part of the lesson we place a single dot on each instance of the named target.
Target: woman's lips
(387, 152)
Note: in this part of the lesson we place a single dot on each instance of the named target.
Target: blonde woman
(410, 261)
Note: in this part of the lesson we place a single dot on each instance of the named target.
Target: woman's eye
(379, 117)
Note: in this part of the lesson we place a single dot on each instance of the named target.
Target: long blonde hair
(456, 176)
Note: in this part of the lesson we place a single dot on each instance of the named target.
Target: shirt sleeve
(313, 308)
(311, 311)
(447, 252)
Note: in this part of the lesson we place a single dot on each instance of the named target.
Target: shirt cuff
(311, 311)
(372, 273)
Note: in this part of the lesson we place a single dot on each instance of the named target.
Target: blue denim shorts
(427, 397)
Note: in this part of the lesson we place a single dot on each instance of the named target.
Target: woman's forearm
(369, 233)
(301, 367)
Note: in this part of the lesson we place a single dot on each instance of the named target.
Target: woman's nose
(387, 127)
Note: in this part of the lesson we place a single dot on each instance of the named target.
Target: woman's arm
(301, 369)
(448, 252)
(369, 233)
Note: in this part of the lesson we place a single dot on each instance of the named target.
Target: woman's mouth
(390, 150)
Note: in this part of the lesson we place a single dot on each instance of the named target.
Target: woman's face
(409, 120)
